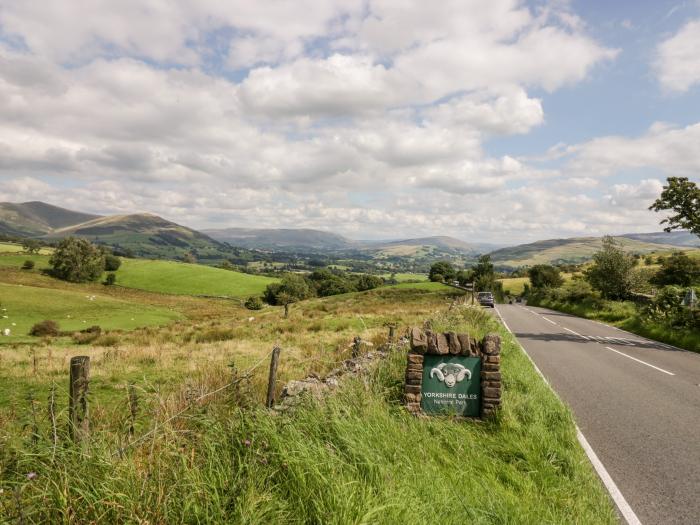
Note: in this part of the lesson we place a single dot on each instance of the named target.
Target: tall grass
(353, 457)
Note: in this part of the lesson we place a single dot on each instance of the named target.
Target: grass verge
(623, 314)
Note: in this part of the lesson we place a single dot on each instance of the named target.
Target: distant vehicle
(486, 299)
(455, 283)
(518, 299)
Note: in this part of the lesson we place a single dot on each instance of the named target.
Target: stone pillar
(490, 374)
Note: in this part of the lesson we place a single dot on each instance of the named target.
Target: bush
(110, 279)
(253, 303)
(88, 335)
(45, 328)
(112, 263)
(28, 265)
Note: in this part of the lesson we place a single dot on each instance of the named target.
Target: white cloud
(678, 61)
(365, 117)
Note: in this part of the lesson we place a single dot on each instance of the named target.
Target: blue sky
(495, 121)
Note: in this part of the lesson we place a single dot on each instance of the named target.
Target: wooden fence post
(356, 344)
(391, 333)
(272, 379)
(77, 397)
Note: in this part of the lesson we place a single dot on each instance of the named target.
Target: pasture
(22, 306)
(188, 279)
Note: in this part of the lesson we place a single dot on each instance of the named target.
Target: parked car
(486, 299)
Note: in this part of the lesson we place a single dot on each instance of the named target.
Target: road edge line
(598, 466)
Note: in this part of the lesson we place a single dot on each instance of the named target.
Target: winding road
(636, 403)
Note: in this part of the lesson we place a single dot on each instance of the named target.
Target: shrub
(545, 276)
(253, 303)
(112, 263)
(45, 328)
(443, 269)
(28, 265)
(88, 335)
(110, 279)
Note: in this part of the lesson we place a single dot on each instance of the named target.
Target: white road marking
(640, 361)
(605, 477)
(548, 320)
(576, 333)
(626, 342)
(617, 496)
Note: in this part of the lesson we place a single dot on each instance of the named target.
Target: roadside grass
(23, 306)
(624, 314)
(188, 279)
(353, 457)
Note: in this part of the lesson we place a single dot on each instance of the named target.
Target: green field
(11, 247)
(15, 260)
(188, 279)
(402, 277)
(23, 306)
(515, 285)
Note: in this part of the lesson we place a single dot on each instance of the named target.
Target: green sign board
(451, 385)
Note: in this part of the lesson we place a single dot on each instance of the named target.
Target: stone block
(492, 344)
(443, 347)
(490, 367)
(412, 398)
(453, 343)
(419, 341)
(412, 389)
(464, 343)
(491, 392)
(490, 376)
(414, 376)
(415, 359)
(493, 359)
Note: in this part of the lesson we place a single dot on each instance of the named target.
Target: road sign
(451, 385)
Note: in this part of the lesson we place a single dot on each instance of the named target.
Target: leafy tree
(464, 277)
(77, 261)
(112, 263)
(110, 279)
(678, 269)
(189, 258)
(485, 277)
(683, 198)
(437, 278)
(545, 276)
(31, 245)
(369, 282)
(611, 273)
(444, 269)
(291, 289)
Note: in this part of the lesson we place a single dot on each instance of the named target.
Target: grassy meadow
(354, 457)
(188, 279)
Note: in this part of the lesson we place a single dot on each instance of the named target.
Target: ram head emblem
(450, 373)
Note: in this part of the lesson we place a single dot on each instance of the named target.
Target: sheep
(451, 373)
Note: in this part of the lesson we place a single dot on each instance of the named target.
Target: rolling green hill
(567, 251)
(23, 306)
(37, 218)
(188, 279)
(146, 235)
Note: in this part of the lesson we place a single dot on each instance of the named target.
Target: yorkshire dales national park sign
(449, 373)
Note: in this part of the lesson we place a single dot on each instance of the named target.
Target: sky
(497, 121)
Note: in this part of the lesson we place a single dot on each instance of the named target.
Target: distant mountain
(285, 239)
(567, 251)
(37, 218)
(438, 242)
(675, 238)
(145, 235)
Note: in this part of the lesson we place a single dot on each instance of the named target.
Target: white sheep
(6, 332)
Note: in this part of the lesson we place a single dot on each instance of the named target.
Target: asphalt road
(637, 403)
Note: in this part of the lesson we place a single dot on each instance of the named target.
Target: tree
(683, 198)
(678, 269)
(444, 269)
(110, 279)
(31, 245)
(291, 289)
(611, 273)
(484, 276)
(545, 276)
(77, 261)
(369, 282)
(112, 263)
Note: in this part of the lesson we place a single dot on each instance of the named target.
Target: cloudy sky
(489, 120)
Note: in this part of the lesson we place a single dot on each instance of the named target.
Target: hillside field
(188, 279)
(22, 306)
